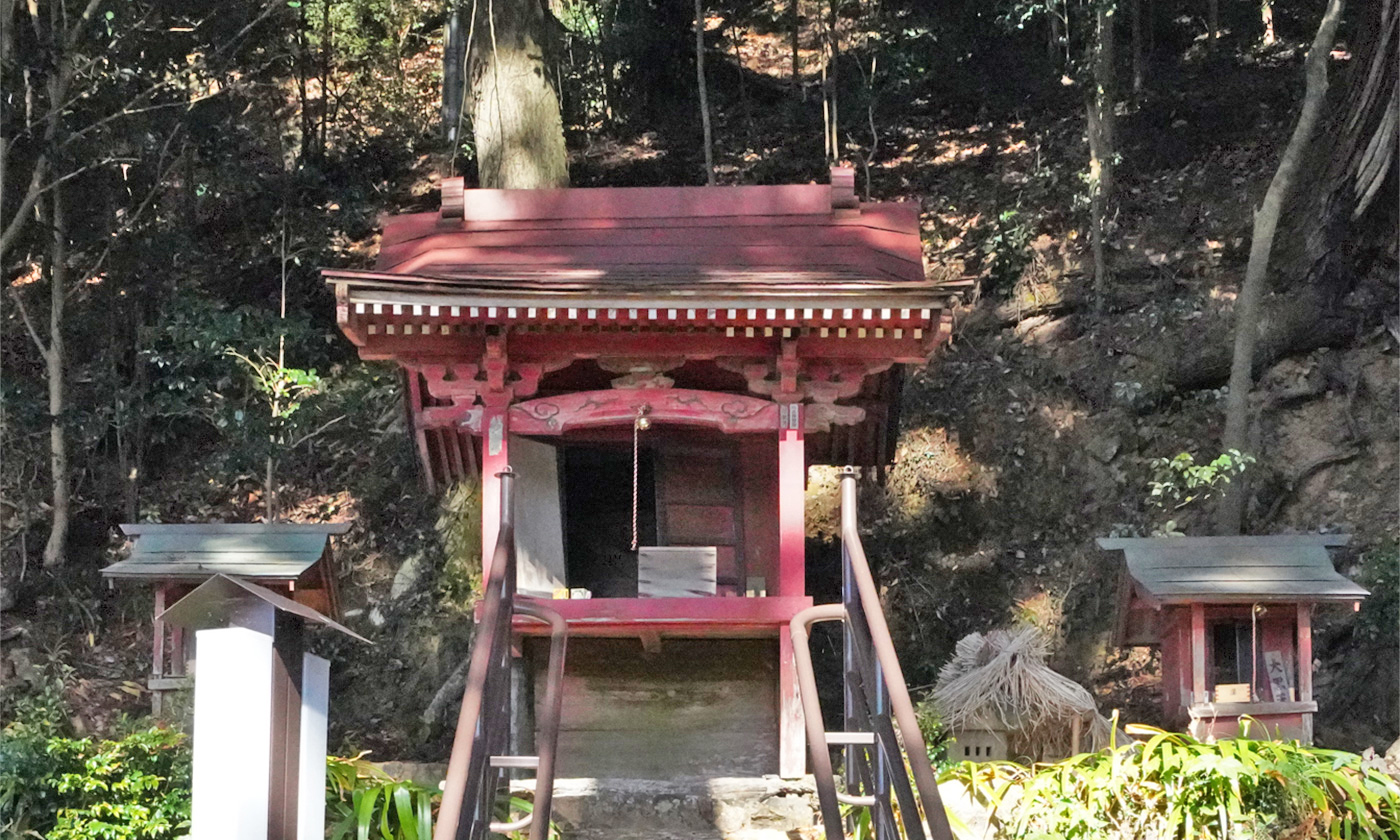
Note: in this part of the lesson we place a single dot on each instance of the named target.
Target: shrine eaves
(745, 309)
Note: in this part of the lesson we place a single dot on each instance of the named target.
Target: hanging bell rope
(638, 425)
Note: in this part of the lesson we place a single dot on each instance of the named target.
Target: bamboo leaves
(365, 802)
(1173, 786)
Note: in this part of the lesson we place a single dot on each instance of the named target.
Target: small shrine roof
(1231, 570)
(215, 602)
(195, 552)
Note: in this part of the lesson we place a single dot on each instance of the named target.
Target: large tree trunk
(1344, 215)
(1230, 515)
(56, 550)
(1099, 106)
(515, 109)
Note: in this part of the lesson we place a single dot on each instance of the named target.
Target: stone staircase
(694, 808)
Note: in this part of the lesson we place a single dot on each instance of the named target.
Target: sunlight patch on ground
(930, 462)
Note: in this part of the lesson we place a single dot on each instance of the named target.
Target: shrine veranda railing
(896, 783)
(478, 766)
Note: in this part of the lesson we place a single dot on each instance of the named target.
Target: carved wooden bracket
(495, 380)
(729, 413)
(640, 372)
(789, 379)
(822, 416)
(463, 417)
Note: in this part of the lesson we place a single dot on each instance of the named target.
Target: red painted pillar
(792, 535)
(792, 488)
(495, 431)
(1199, 692)
(1305, 664)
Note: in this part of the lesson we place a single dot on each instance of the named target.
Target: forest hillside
(175, 174)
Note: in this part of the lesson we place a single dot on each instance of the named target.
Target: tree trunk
(1135, 10)
(1334, 228)
(1212, 22)
(515, 109)
(1230, 515)
(56, 550)
(270, 490)
(1099, 106)
(704, 94)
(795, 24)
(830, 117)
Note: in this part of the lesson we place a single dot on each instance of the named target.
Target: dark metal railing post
(887, 661)
(822, 773)
(879, 782)
(551, 710)
(876, 697)
(479, 764)
(468, 769)
(850, 598)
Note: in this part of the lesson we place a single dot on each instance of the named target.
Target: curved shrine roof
(706, 283)
(789, 245)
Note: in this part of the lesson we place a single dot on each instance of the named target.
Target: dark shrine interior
(597, 485)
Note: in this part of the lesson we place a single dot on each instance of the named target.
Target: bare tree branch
(28, 323)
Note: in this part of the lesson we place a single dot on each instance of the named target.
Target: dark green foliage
(136, 788)
(1379, 620)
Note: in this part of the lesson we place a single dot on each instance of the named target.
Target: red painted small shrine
(659, 366)
(1233, 619)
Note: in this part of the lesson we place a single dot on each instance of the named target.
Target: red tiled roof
(790, 235)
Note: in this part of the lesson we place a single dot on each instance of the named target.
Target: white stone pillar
(311, 792)
(232, 722)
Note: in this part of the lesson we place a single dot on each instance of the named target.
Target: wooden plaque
(676, 571)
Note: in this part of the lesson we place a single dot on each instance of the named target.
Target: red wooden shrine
(664, 364)
(1233, 619)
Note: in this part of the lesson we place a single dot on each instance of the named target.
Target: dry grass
(1000, 681)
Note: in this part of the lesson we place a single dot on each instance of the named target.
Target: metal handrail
(875, 688)
(483, 725)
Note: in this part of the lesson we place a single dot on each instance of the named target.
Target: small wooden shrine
(1233, 619)
(659, 366)
(291, 559)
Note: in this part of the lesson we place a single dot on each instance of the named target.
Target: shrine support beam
(495, 434)
(792, 537)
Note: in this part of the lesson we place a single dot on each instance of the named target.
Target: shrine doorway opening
(694, 488)
(597, 498)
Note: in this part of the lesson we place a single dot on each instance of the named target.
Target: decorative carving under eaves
(496, 379)
(822, 416)
(729, 413)
(640, 372)
(804, 381)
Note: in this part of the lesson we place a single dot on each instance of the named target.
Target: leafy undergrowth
(1173, 786)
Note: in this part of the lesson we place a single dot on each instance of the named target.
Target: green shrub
(1380, 573)
(134, 788)
(1173, 786)
(137, 788)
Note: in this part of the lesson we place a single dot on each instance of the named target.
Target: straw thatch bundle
(1000, 682)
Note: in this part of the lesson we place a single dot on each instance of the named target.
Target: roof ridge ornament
(843, 192)
(454, 198)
